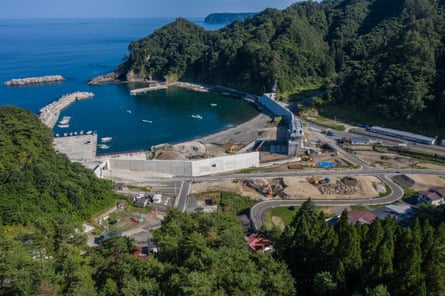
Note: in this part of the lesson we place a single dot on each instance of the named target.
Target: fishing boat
(89, 132)
(197, 116)
(65, 120)
(106, 139)
(129, 111)
(63, 125)
(103, 146)
(213, 105)
(147, 121)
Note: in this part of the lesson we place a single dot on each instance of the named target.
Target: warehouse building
(403, 135)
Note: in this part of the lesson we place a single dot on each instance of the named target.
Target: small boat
(71, 133)
(129, 111)
(106, 139)
(197, 116)
(65, 120)
(75, 133)
(103, 146)
(89, 132)
(81, 132)
(63, 125)
(213, 104)
(147, 121)
(57, 135)
(65, 134)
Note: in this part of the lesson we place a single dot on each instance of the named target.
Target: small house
(434, 196)
(359, 141)
(258, 243)
(141, 202)
(362, 217)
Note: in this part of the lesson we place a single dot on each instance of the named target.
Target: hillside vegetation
(384, 58)
(38, 184)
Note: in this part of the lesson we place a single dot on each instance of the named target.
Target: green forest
(372, 56)
(38, 184)
(44, 199)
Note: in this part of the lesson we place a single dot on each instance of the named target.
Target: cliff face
(225, 18)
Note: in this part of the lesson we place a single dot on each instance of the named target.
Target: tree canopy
(377, 56)
(37, 183)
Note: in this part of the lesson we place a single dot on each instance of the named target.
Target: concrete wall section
(225, 164)
(189, 168)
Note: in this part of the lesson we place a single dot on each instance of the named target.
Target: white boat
(106, 139)
(213, 104)
(65, 134)
(81, 132)
(89, 132)
(71, 133)
(63, 125)
(129, 111)
(147, 121)
(65, 120)
(197, 116)
(103, 146)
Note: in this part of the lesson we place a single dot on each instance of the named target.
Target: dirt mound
(349, 181)
(405, 180)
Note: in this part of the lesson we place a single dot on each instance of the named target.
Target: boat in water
(197, 116)
(63, 125)
(213, 105)
(89, 132)
(65, 120)
(129, 111)
(147, 121)
(106, 139)
(103, 146)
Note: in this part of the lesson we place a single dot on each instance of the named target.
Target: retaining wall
(189, 168)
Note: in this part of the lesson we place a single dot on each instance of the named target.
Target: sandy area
(424, 182)
(297, 188)
(219, 143)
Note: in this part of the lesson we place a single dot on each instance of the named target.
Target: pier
(49, 114)
(34, 80)
(136, 91)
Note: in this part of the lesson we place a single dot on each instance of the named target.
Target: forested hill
(226, 17)
(385, 57)
(35, 182)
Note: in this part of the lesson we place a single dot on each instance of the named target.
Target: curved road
(257, 211)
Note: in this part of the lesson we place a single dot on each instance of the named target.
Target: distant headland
(34, 80)
(226, 17)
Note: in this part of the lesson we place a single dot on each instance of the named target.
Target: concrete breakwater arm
(50, 113)
(34, 80)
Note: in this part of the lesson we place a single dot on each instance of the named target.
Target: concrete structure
(295, 131)
(403, 135)
(188, 168)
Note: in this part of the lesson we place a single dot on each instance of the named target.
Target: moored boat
(106, 139)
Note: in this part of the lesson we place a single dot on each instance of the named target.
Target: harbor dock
(34, 80)
(49, 114)
(136, 91)
(80, 148)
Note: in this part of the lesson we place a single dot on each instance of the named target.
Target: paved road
(182, 198)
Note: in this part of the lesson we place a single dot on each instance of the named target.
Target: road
(257, 211)
(182, 198)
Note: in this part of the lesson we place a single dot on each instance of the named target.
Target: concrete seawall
(189, 168)
(34, 80)
(49, 114)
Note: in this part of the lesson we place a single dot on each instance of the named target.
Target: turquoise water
(82, 49)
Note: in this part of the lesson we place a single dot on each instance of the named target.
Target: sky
(130, 8)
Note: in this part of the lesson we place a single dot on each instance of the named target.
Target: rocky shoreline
(34, 80)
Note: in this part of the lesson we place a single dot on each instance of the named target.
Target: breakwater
(159, 86)
(34, 80)
(50, 113)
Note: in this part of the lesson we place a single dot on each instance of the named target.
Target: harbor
(49, 114)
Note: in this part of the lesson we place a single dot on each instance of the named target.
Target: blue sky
(130, 8)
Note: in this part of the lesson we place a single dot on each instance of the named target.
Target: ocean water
(80, 49)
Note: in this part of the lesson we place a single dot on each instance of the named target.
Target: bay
(80, 49)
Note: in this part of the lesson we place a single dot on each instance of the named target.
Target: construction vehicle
(231, 149)
(306, 158)
(315, 181)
